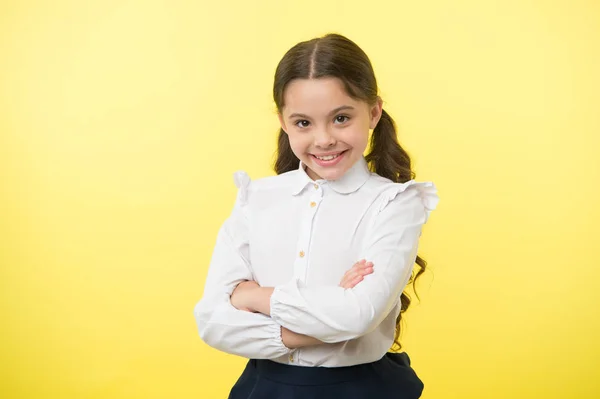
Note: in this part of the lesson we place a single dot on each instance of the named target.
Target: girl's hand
(241, 295)
(356, 274)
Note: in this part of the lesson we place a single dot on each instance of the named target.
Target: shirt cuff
(277, 340)
(283, 299)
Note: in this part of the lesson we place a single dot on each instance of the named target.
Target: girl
(278, 290)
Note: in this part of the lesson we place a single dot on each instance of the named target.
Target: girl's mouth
(330, 159)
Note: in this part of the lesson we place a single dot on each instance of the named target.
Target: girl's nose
(323, 139)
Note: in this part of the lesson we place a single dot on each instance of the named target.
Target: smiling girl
(307, 275)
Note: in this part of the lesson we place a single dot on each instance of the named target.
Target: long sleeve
(220, 325)
(334, 314)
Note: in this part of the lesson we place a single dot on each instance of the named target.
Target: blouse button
(291, 357)
(313, 204)
(316, 186)
(301, 254)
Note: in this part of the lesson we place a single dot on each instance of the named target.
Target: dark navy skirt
(389, 377)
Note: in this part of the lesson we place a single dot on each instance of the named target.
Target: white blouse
(300, 236)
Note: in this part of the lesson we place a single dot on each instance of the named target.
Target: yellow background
(122, 123)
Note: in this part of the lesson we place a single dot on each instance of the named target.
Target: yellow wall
(121, 123)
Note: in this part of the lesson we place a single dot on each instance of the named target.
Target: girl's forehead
(314, 93)
(329, 85)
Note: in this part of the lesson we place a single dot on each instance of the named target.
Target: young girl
(307, 275)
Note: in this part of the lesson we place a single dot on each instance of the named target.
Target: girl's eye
(341, 119)
(303, 123)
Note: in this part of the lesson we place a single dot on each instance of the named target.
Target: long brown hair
(336, 56)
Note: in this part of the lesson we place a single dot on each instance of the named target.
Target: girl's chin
(328, 171)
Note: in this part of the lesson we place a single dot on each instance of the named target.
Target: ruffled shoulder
(427, 191)
(242, 182)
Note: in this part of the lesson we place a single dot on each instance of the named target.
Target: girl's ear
(375, 113)
(281, 122)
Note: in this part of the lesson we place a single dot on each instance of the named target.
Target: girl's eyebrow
(335, 111)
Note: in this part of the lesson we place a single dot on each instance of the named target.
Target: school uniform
(300, 236)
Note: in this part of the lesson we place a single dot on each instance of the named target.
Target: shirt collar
(351, 181)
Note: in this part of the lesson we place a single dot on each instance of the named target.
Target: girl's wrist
(241, 298)
(260, 300)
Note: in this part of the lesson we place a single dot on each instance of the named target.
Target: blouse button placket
(312, 205)
(303, 249)
(308, 213)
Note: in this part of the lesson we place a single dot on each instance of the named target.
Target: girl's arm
(334, 314)
(294, 340)
(220, 325)
(249, 296)
(289, 338)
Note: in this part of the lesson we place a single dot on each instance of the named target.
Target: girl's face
(328, 130)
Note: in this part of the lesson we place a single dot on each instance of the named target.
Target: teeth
(328, 157)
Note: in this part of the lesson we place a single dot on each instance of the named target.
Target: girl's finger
(354, 267)
(360, 263)
(346, 283)
(364, 271)
(351, 270)
(359, 277)
(354, 282)
(355, 273)
(352, 275)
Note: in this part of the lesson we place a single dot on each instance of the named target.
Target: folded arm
(251, 297)
(244, 297)
(334, 314)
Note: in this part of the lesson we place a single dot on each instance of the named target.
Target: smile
(329, 159)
